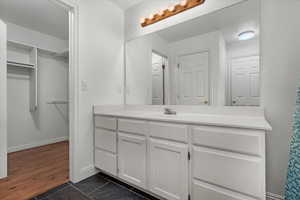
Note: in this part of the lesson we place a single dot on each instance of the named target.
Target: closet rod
(17, 64)
(58, 102)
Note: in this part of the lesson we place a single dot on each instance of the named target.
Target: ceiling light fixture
(151, 16)
(171, 8)
(246, 35)
(171, 11)
(143, 20)
(184, 3)
(162, 13)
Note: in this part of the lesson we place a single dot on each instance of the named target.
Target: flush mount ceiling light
(246, 35)
(171, 11)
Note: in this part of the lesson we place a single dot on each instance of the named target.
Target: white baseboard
(36, 144)
(85, 172)
(3, 168)
(271, 196)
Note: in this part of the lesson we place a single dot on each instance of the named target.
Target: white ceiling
(40, 15)
(231, 21)
(125, 4)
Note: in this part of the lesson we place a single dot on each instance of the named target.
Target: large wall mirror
(210, 60)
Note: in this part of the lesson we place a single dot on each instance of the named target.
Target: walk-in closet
(37, 103)
(37, 55)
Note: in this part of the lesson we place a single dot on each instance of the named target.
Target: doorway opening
(159, 76)
(40, 62)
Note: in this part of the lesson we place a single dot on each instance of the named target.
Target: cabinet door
(132, 158)
(169, 169)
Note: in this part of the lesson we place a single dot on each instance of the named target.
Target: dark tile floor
(98, 187)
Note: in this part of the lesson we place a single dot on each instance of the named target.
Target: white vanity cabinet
(178, 161)
(227, 163)
(168, 169)
(168, 160)
(106, 144)
(132, 152)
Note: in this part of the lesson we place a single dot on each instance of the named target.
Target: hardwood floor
(35, 171)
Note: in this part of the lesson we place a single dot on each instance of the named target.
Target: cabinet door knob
(234, 102)
(205, 102)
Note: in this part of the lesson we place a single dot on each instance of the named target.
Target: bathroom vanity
(207, 153)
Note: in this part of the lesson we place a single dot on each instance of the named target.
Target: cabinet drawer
(106, 161)
(106, 140)
(236, 140)
(133, 126)
(201, 190)
(105, 122)
(169, 131)
(236, 172)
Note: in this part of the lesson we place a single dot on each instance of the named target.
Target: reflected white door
(245, 78)
(157, 80)
(3, 107)
(193, 79)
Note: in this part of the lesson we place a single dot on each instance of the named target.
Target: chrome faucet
(169, 111)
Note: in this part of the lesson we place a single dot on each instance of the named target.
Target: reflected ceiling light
(246, 35)
(171, 11)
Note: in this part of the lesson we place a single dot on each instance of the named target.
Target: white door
(193, 79)
(132, 159)
(3, 107)
(157, 79)
(168, 169)
(245, 81)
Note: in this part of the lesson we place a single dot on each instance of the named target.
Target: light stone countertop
(234, 120)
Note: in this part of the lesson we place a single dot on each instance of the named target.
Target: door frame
(73, 10)
(165, 75)
(3, 105)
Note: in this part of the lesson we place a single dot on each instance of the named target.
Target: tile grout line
(67, 184)
(73, 186)
(102, 186)
(127, 188)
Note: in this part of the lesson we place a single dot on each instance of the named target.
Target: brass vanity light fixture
(171, 11)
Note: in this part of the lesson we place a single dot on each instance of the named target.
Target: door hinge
(189, 156)
(189, 197)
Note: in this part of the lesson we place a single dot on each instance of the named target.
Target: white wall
(3, 102)
(101, 42)
(139, 67)
(49, 123)
(243, 48)
(24, 35)
(134, 14)
(222, 78)
(214, 44)
(139, 71)
(280, 46)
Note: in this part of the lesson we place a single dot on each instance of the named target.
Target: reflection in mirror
(210, 60)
